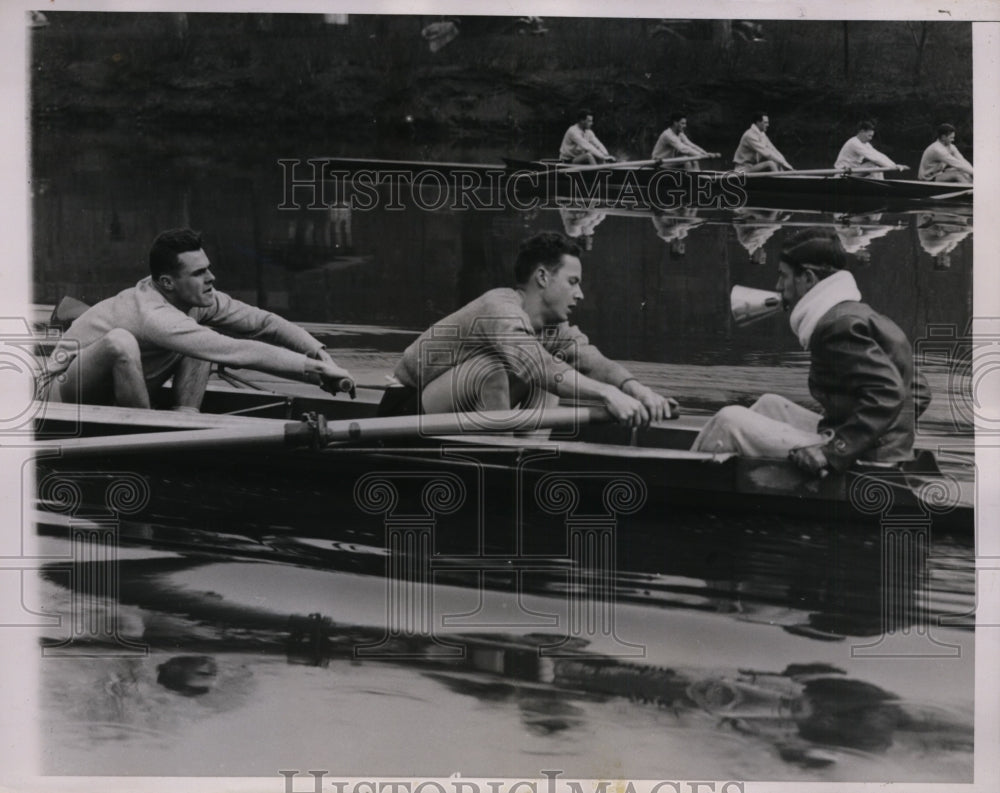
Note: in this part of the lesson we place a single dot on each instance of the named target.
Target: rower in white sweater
(120, 351)
(858, 152)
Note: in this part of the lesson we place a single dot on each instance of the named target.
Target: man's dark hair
(758, 116)
(866, 125)
(675, 117)
(815, 249)
(582, 115)
(547, 249)
(944, 129)
(168, 246)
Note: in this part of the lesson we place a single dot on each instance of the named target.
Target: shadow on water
(210, 639)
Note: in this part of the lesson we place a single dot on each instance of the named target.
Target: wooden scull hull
(673, 188)
(521, 181)
(608, 467)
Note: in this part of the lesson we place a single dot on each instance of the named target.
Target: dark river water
(743, 648)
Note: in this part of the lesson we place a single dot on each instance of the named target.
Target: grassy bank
(373, 85)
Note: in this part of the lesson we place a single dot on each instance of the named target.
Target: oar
(823, 171)
(302, 433)
(630, 164)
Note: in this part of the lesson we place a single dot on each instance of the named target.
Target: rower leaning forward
(514, 348)
(942, 161)
(580, 145)
(674, 143)
(175, 324)
(858, 152)
(755, 152)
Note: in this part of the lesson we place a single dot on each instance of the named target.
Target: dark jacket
(862, 374)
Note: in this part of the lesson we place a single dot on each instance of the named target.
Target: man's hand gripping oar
(333, 379)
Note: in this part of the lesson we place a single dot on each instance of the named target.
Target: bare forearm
(571, 384)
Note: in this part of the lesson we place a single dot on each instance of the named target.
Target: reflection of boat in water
(939, 232)
(200, 607)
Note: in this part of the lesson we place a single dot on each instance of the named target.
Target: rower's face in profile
(866, 135)
(192, 286)
(793, 285)
(680, 126)
(763, 124)
(588, 122)
(562, 289)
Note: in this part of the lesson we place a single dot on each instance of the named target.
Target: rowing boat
(637, 184)
(587, 466)
(671, 188)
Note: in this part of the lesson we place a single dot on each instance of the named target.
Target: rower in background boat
(755, 152)
(674, 142)
(122, 350)
(858, 152)
(514, 348)
(942, 161)
(580, 145)
(861, 372)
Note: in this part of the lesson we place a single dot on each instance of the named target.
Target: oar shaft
(824, 171)
(171, 441)
(629, 164)
(461, 423)
(562, 169)
(295, 434)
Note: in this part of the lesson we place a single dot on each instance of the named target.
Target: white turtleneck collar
(837, 288)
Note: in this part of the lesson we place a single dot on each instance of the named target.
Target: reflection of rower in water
(673, 229)
(580, 223)
(804, 711)
(856, 235)
(940, 233)
(754, 227)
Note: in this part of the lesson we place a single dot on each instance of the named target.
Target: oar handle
(343, 385)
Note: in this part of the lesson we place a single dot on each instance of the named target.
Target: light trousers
(771, 427)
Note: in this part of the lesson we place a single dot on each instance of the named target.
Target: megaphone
(749, 305)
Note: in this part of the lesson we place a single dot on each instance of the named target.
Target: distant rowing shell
(539, 182)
